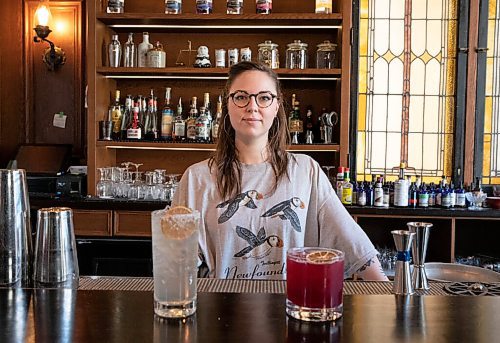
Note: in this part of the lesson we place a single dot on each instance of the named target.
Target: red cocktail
(315, 279)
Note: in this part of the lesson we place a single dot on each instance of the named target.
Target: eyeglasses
(263, 99)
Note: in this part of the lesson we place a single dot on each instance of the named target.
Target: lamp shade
(42, 14)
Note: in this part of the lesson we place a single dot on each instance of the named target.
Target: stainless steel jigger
(402, 278)
(419, 250)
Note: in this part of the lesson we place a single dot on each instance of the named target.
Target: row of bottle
(140, 119)
(206, 6)
(143, 55)
(154, 56)
(305, 131)
(202, 6)
(401, 193)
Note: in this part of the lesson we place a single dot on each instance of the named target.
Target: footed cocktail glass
(315, 281)
(475, 199)
(175, 257)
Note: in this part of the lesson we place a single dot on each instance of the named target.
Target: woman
(256, 200)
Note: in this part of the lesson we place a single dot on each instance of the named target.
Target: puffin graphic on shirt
(285, 210)
(259, 246)
(244, 199)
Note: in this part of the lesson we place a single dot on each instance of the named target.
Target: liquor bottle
(370, 201)
(208, 113)
(115, 6)
(202, 127)
(130, 52)
(361, 195)
(191, 121)
(173, 6)
(453, 195)
(116, 115)
(203, 6)
(309, 127)
(445, 197)
(179, 130)
(460, 195)
(338, 182)
(418, 181)
(156, 56)
(477, 189)
(432, 195)
(234, 6)
(413, 196)
(347, 189)
(423, 196)
(127, 116)
(150, 124)
(142, 50)
(296, 125)
(167, 117)
(216, 122)
(378, 194)
(401, 188)
(114, 52)
(438, 191)
(263, 6)
(135, 128)
(386, 197)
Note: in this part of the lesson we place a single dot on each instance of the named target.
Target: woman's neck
(251, 153)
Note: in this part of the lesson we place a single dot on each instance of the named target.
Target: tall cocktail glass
(315, 280)
(175, 256)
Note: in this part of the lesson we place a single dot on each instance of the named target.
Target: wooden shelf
(213, 73)
(287, 21)
(202, 146)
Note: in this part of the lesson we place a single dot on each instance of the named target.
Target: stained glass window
(406, 87)
(491, 150)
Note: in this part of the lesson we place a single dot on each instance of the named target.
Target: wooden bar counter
(63, 315)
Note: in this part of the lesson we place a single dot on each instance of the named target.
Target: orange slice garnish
(175, 225)
(321, 257)
(179, 210)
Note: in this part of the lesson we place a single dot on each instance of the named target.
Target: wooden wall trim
(48, 92)
(345, 86)
(470, 108)
(12, 112)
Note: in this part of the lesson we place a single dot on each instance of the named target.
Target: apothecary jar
(269, 55)
(296, 55)
(326, 55)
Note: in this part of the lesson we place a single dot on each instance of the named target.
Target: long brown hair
(225, 158)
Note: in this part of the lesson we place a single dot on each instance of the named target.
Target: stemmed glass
(105, 185)
(172, 184)
(327, 172)
(475, 199)
(135, 190)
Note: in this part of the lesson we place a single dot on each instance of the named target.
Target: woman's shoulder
(302, 161)
(199, 168)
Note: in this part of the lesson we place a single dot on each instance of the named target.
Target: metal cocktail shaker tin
(15, 229)
(55, 262)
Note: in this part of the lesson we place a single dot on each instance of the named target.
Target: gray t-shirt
(247, 236)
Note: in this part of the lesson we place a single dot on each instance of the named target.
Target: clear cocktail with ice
(175, 257)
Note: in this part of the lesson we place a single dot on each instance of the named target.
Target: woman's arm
(372, 271)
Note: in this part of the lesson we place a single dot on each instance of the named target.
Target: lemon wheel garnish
(321, 257)
(176, 226)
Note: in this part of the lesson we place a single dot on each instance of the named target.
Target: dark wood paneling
(12, 126)
(50, 92)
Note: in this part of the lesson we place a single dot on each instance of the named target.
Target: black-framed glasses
(263, 99)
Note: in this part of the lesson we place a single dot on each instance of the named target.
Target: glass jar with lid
(296, 55)
(269, 55)
(326, 55)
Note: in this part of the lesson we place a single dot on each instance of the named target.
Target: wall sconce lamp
(52, 56)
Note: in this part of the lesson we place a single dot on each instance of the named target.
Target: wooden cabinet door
(92, 222)
(129, 223)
